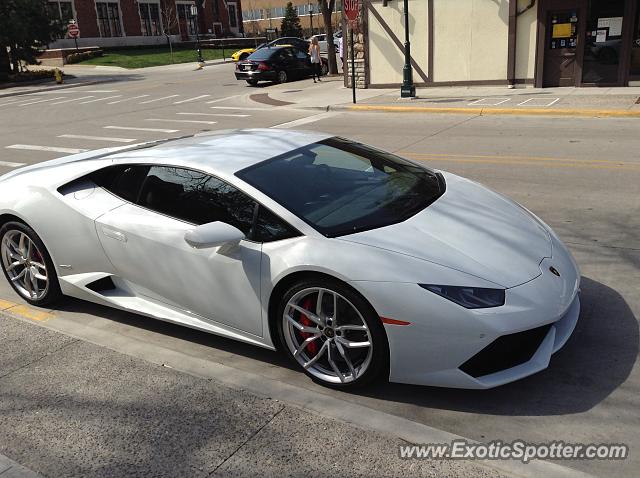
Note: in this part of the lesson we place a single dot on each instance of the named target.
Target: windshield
(262, 54)
(341, 187)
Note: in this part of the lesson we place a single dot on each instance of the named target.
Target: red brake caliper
(312, 348)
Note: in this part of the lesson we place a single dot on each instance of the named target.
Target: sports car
(356, 263)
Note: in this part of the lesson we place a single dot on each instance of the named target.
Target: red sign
(73, 30)
(351, 9)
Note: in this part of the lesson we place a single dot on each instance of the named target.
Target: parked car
(296, 42)
(322, 41)
(279, 64)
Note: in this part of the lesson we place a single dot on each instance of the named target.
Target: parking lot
(579, 174)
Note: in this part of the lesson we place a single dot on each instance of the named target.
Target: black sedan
(279, 64)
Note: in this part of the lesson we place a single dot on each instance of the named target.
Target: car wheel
(332, 333)
(252, 82)
(325, 69)
(27, 265)
(282, 76)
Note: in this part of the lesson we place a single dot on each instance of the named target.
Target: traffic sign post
(74, 32)
(351, 9)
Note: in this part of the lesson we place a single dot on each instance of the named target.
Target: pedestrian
(341, 51)
(314, 53)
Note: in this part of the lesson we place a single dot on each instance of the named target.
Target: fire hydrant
(57, 74)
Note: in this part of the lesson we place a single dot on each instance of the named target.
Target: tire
(324, 69)
(282, 76)
(252, 82)
(369, 363)
(32, 289)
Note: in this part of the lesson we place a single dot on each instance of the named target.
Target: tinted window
(123, 181)
(196, 197)
(270, 227)
(263, 53)
(341, 187)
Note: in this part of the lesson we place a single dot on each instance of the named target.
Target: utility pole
(408, 90)
(194, 12)
(311, 17)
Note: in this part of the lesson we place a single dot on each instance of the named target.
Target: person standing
(314, 53)
(341, 51)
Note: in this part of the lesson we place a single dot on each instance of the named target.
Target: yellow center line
(527, 161)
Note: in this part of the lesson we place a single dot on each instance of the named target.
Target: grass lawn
(143, 57)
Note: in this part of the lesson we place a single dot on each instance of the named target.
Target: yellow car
(242, 54)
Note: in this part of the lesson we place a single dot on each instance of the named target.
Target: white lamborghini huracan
(355, 262)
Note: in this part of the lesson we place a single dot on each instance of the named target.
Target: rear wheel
(324, 69)
(282, 76)
(27, 265)
(252, 82)
(332, 333)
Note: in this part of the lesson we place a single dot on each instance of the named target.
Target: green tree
(25, 28)
(290, 23)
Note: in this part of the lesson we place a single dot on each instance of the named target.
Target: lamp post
(194, 13)
(408, 90)
(311, 17)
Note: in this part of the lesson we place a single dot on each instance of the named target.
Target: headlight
(469, 297)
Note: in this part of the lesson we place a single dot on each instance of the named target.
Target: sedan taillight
(262, 66)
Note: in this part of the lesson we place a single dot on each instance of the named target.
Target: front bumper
(449, 346)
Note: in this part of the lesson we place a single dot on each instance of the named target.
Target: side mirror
(213, 234)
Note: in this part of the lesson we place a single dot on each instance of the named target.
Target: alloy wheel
(282, 76)
(24, 265)
(327, 335)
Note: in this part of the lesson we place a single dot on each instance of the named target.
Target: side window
(196, 197)
(123, 181)
(301, 55)
(270, 227)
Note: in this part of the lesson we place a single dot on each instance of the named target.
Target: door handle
(113, 234)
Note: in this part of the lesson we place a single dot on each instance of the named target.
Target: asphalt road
(580, 175)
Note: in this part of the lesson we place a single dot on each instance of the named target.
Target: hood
(471, 229)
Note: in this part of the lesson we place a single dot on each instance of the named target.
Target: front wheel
(27, 265)
(332, 333)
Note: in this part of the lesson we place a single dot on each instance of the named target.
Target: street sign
(351, 9)
(73, 30)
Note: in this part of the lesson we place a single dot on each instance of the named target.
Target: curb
(295, 396)
(51, 88)
(577, 113)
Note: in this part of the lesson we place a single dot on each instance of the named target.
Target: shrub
(82, 56)
(31, 75)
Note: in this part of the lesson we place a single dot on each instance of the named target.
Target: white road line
(41, 101)
(303, 121)
(127, 99)
(157, 99)
(547, 102)
(9, 164)
(72, 99)
(98, 138)
(132, 128)
(34, 147)
(11, 102)
(239, 108)
(100, 99)
(181, 121)
(490, 101)
(190, 99)
(100, 91)
(216, 114)
(220, 100)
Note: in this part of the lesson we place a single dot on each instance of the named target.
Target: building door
(604, 49)
(561, 46)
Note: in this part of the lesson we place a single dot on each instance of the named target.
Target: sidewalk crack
(40, 358)
(247, 440)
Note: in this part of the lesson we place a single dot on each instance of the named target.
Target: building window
(233, 15)
(635, 45)
(60, 10)
(109, 19)
(186, 21)
(150, 19)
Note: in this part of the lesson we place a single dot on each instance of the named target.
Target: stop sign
(73, 30)
(351, 9)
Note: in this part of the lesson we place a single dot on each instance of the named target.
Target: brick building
(143, 22)
(259, 15)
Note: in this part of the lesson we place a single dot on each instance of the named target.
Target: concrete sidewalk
(331, 95)
(71, 408)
